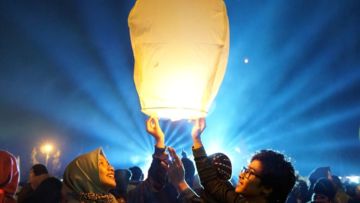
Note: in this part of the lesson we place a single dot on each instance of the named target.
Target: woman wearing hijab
(88, 179)
(9, 177)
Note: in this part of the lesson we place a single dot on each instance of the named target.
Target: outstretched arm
(218, 189)
(176, 174)
(176, 171)
(197, 130)
(158, 169)
(153, 128)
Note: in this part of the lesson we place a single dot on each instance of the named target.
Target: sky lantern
(180, 49)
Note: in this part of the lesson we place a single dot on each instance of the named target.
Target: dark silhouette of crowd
(269, 178)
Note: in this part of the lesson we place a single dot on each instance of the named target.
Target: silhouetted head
(39, 169)
(321, 172)
(122, 178)
(324, 191)
(189, 169)
(337, 182)
(300, 190)
(137, 174)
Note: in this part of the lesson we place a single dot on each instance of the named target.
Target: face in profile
(250, 180)
(31, 175)
(106, 172)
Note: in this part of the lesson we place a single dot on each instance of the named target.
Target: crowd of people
(269, 178)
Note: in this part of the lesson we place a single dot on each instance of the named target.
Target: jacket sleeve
(157, 173)
(155, 181)
(189, 196)
(218, 189)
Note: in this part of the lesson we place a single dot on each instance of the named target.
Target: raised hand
(153, 128)
(198, 128)
(176, 171)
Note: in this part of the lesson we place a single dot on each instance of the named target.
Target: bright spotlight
(135, 159)
(46, 148)
(354, 179)
(246, 60)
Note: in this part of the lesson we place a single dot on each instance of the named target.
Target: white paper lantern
(180, 49)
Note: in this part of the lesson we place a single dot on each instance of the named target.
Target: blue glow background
(66, 77)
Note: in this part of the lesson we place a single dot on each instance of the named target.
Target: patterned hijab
(9, 176)
(81, 177)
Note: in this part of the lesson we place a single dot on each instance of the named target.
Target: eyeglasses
(248, 172)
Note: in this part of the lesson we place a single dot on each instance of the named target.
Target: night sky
(66, 77)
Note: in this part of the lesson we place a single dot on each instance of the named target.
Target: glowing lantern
(180, 49)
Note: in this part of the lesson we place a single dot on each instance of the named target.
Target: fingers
(172, 152)
(202, 123)
(198, 127)
(148, 126)
(164, 165)
(174, 156)
(152, 123)
(199, 122)
(176, 169)
(155, 122)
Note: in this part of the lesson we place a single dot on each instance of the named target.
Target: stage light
(46, 149)
(135, 159)
(180, 55)
(246, 60)
(353, 179)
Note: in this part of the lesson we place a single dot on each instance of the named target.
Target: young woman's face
(249, 180)
(106, 173)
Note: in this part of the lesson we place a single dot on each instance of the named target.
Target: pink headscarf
(9, 177)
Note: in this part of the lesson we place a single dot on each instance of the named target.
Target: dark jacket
(49, 191)
(216, 188)
(156, 188)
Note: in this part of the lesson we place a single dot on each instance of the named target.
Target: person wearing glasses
(267, 179)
